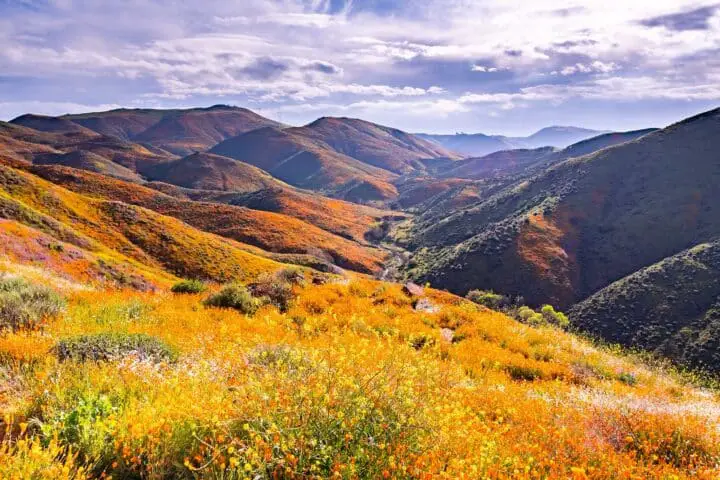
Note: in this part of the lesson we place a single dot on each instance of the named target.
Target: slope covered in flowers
(349, 381)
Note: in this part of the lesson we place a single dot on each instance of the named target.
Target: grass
(349, 382)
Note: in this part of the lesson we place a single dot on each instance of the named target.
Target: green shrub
(189, 286)
(627, 378)
(546, 316)
(488, 299)
(24, 305)
(519, 372)
(236, 297)
(113, 346)
(529, 316)
(552, 316)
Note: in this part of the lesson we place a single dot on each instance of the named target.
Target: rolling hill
(205, 171)
(309, 163)
(585, 223)
(272, 232)
(180, 132)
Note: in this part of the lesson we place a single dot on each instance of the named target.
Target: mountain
(584, 223)
(124, 356)
(204, 171)
(383, 147)
(558, 136)
(306, 162)
(478, 144)
(342, 157)
(180, 132)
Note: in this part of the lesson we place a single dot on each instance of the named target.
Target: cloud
(453, 56)
(697, 19)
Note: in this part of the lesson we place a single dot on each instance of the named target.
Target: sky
(438, 66)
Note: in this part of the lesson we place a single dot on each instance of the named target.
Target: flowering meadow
(346, 379)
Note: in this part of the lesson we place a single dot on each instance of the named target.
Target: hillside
(596, 218)
(671, 308)
(181, 132)
(121, 233)
(308, 163)
(584, 223)
(348, 380)
(204, 171)
(383, 147)
(269, 231)
(350, 220)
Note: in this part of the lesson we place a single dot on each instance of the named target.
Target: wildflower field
(343, 379)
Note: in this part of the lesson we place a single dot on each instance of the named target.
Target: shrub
(488, 299)
(293, 276)
(627, 378)
(550, 315)
(273, 290)
(113, 346)
(546, 316)
(189, 286)
(529, 316)
(24, 305)
(521, 372)
(236, 297)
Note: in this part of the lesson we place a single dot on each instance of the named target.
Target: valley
(168, 244)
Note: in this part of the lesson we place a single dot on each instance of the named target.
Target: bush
(488, 299)
(236, 297)
(274, 290)
(24, 305)
(551, 316)
(293, 276)
(113, 346)
(529, 316)
(546, 316)
(189, 286)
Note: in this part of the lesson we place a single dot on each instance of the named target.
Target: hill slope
(309, 163)
(178, 131)
(671, 307)
(270, 231)
(585, 222)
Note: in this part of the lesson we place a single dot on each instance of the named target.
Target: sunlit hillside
(349, 381)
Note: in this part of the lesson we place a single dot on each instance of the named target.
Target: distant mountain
(309, 163)
(383, 147)
(584, 223)
(178, 131)
(557, 137)
(479, 144)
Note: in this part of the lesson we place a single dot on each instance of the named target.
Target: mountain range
(479, 144)
(579, 224)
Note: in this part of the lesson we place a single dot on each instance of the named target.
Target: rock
(447, 334)
(425, 305)
(413, 290)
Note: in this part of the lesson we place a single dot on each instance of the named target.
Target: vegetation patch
(234, 296)
(189, 286)
(114, 346)
(26, 306)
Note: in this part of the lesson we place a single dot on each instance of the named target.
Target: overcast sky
(493, 66)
